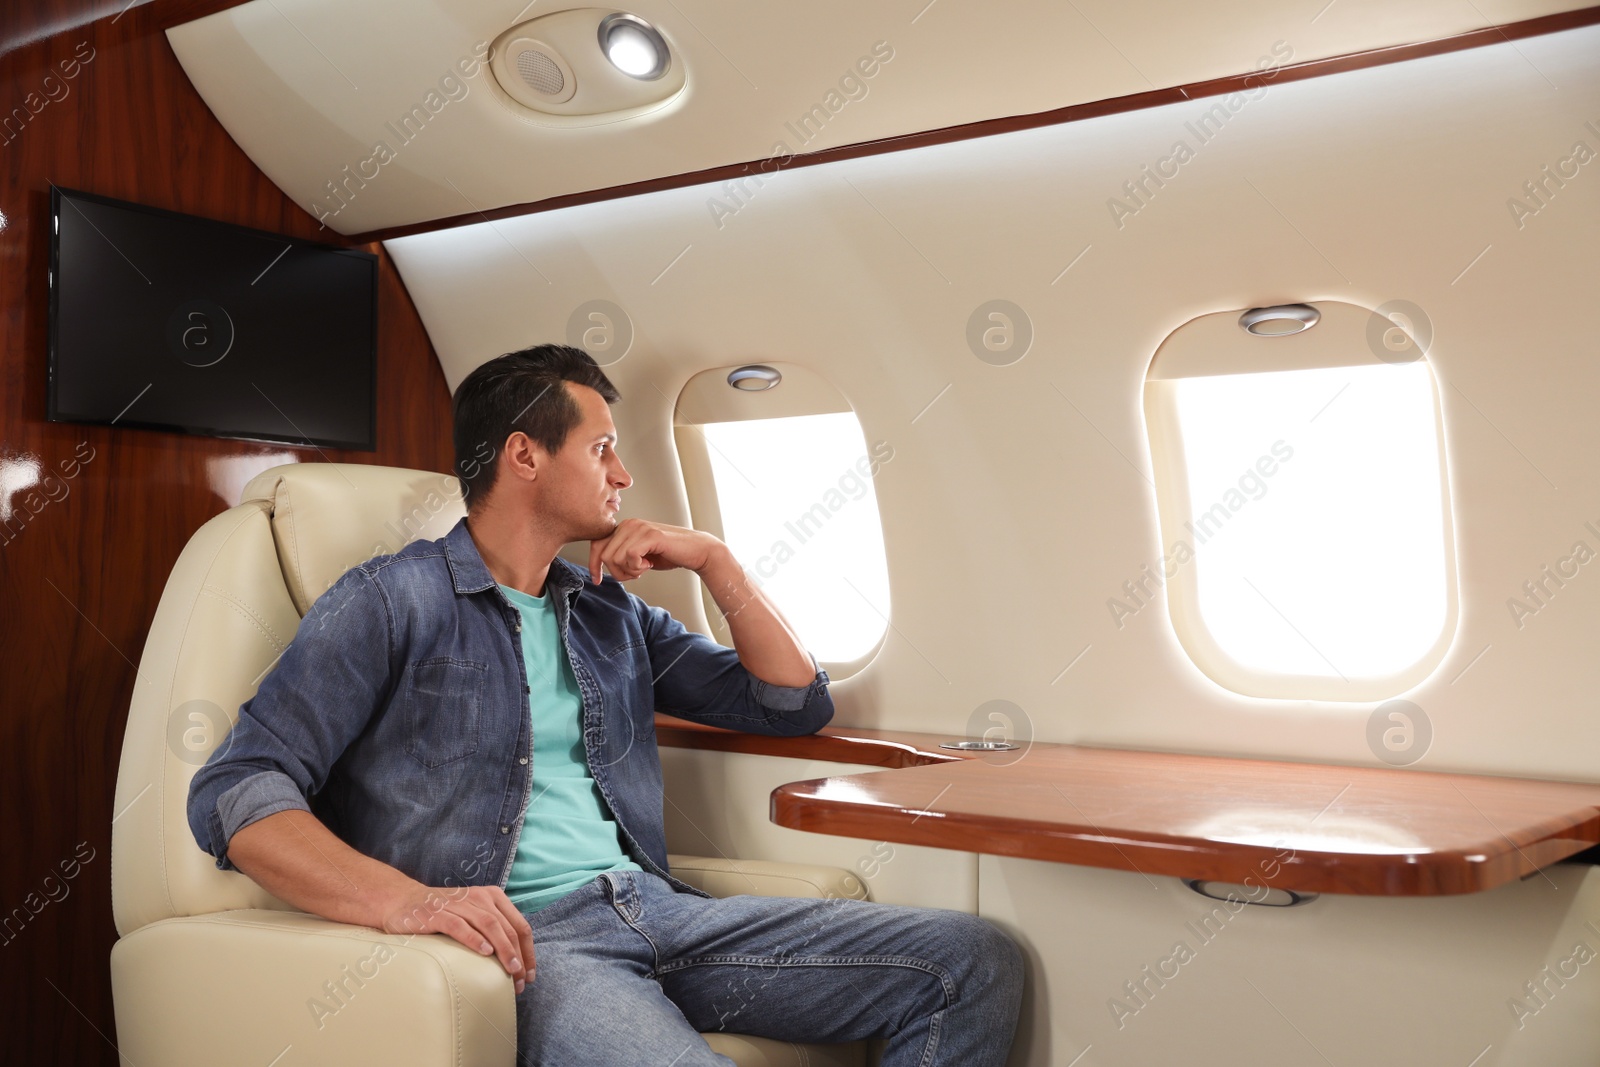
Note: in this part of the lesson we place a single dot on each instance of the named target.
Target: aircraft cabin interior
(1167, 429)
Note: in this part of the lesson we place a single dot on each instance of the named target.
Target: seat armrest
(766, 878)
(255, 982)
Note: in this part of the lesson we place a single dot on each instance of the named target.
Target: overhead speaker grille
(540, 72)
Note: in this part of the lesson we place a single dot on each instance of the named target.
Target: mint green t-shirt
(568, 834)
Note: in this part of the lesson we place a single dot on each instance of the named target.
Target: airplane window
(799, 510)
(1307, 524)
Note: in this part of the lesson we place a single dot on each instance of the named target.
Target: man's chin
(602, 529)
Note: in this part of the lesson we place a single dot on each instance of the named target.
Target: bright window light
(799, 511)
(1316, 514)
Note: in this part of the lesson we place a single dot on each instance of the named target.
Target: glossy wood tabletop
(1299, 826)
(836, 744)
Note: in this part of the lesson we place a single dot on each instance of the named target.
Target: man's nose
(620, 476)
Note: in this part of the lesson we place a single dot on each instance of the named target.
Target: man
(472, 717)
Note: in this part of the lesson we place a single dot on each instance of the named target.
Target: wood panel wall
(81, 576)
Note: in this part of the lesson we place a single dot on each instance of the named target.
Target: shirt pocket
(441, 704)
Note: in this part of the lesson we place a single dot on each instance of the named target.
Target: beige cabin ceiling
(310, 88)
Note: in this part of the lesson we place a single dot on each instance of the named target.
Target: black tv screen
(169, 322)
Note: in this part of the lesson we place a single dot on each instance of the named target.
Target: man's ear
(521, 450)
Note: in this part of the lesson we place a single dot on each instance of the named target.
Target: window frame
(1215, 345)
(706, 399)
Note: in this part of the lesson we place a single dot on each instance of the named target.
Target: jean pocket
(624, 894)
(442, 704)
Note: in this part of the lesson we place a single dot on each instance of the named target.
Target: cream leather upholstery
(726, 878)
(211, 968)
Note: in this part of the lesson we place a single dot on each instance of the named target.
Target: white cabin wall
(1017, 503)
(1382, 981)
(1012, 515)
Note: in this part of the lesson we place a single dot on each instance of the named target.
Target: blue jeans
(629, 971)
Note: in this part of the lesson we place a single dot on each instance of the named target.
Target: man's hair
(519, 391)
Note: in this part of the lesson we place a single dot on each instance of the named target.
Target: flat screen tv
(169, 322)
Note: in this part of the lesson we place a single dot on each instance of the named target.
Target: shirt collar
(471, 575)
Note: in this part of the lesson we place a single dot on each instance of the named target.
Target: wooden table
(1307, 827)
(1297, 826)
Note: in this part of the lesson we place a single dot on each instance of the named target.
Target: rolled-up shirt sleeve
(324, 689)
(702, 681)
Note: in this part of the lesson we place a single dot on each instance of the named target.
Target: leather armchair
(210, 968)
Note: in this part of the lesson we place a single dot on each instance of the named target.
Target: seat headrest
(329, 517)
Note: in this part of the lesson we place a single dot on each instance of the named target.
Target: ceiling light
(1279, 320)
(754, 378)
(551, 73)
(634, 46)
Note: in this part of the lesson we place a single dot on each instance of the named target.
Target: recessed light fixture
(634, 46)
(551, 73)
(1279, 320)
(754, 378)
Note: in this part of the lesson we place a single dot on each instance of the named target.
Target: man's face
(579, 488)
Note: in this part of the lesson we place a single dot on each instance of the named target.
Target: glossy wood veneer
(836, 744)
(1307, 827)
(85, 551)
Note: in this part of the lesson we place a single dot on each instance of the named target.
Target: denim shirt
(398, 715)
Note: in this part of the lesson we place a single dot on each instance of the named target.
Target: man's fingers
(613, 551)
(486, 920)
(609, 553)
(636, 546)
(521, 932)
(626, 555)
(448, 922)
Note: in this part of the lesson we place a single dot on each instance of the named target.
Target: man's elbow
(201, 813)
(222, 805)
(813, 715)
(819, 713)
(792, 711)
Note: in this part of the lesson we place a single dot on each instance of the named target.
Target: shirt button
(522, 760)
(519, 627)
(527, 689)
(505, 829)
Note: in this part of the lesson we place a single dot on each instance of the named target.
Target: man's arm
(694, 677)
(314, 702)
(297, 859)
(248, 808)
(765, 641)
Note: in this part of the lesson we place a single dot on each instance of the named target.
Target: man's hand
(297, 859)
(766, 644)
(480, 917)
(638, 545)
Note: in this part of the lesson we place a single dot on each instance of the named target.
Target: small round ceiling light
(1279, 320)
(634, 46)
(754, 378)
